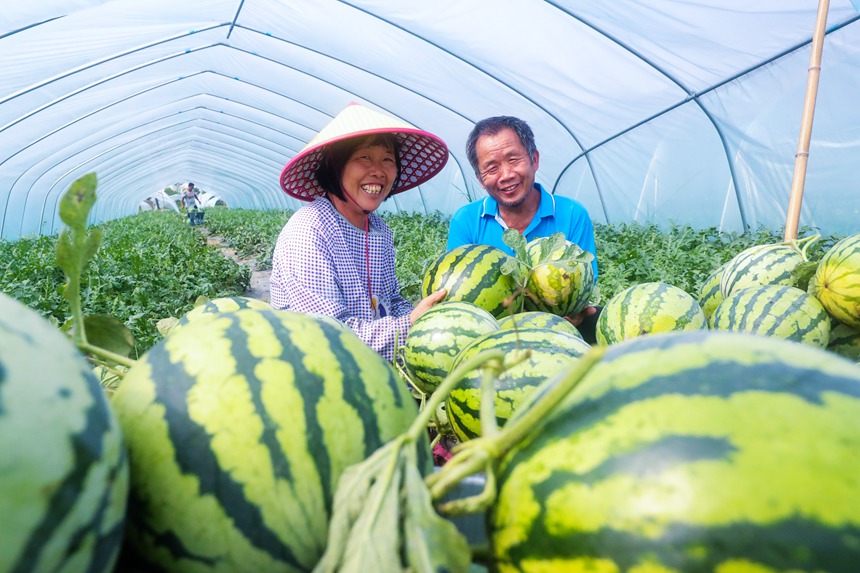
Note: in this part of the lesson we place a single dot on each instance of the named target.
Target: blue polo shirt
(479, 223)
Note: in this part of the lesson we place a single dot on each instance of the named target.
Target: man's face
(504, 167)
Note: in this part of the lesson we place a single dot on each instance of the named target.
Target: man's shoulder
(469, 210)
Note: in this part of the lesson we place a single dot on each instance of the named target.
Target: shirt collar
(546, 208)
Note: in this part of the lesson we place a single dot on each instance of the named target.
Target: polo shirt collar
(546, 208)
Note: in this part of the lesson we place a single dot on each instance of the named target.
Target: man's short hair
(492, 126)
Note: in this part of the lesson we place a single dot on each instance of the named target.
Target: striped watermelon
(437, 337)
(472, 273)
(539, 319)
(837, 281)
(844, 340)
(551, 351)
(559, 289)
(223, 304)
(63, 465)
(694, 451)
(775, 310)
(710, 295)
(648, 308)
(238, 427)
(769, 264)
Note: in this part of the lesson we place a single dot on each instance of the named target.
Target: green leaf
(515, 240)
(76, 203)
(803, 273)
(108, 333)
(433, 543)
(165, 325)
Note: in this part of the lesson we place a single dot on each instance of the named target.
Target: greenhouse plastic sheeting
(656, 111)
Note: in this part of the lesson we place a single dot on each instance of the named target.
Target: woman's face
(368, 176)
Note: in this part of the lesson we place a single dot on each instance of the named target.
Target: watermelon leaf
(107, 332)
(803, 273)
(515, 240)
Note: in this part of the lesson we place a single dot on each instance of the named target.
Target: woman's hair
(335, 156)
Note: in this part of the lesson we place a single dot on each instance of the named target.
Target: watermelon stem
(480, 454)
(88, 348)
(419, 425)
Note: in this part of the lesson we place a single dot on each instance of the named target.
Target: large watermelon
(223, 304)
(686, 452)
(238, 427)
(472, 273)
(774, 310)
(551, 351)
(562, 289)
(769, 264)
(63, 466)
(438, 336)
(648, 308)
(836, 282)
(539, 319)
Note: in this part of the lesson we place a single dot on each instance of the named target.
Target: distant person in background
(335, 256)
(191, 203)
(505, 159)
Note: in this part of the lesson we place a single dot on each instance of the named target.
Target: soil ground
(259, 279)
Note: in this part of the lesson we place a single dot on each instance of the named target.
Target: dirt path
(259, 279)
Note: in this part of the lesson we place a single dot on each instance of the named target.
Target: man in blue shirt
(504, 156)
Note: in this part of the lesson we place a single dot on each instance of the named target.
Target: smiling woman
(335, 256)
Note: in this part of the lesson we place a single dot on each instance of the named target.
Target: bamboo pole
(802, 157)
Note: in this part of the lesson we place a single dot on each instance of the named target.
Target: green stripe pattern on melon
(472, 273)
(438, 336)
(836, 283)
(694, 451)
(239, 426)
(844, 340)
(64, 470)
(710, 295)
(223, 304)
(777, 311)
(648, 308)
(551, 352)
(769, 264)
(539, 319)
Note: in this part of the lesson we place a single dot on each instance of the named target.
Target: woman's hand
(426, 304)
(577, 320)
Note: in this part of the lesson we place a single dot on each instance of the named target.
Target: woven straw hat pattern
(422, 154)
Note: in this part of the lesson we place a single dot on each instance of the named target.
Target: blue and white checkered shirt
(319, 266)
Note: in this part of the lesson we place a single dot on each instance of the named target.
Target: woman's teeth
(372, 189)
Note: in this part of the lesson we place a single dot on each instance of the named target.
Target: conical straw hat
(422, 154)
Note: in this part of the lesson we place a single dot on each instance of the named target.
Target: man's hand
(577, 320)
(426, 304)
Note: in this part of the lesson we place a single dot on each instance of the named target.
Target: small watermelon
(690, 451)
(238, 427)
(539, 319)
(769, 264)
(648, 308)
(554, 284)
(551, 351)
(438, 336)
(64, 470)
(472, 273)
(836, 283)
(775, 310)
